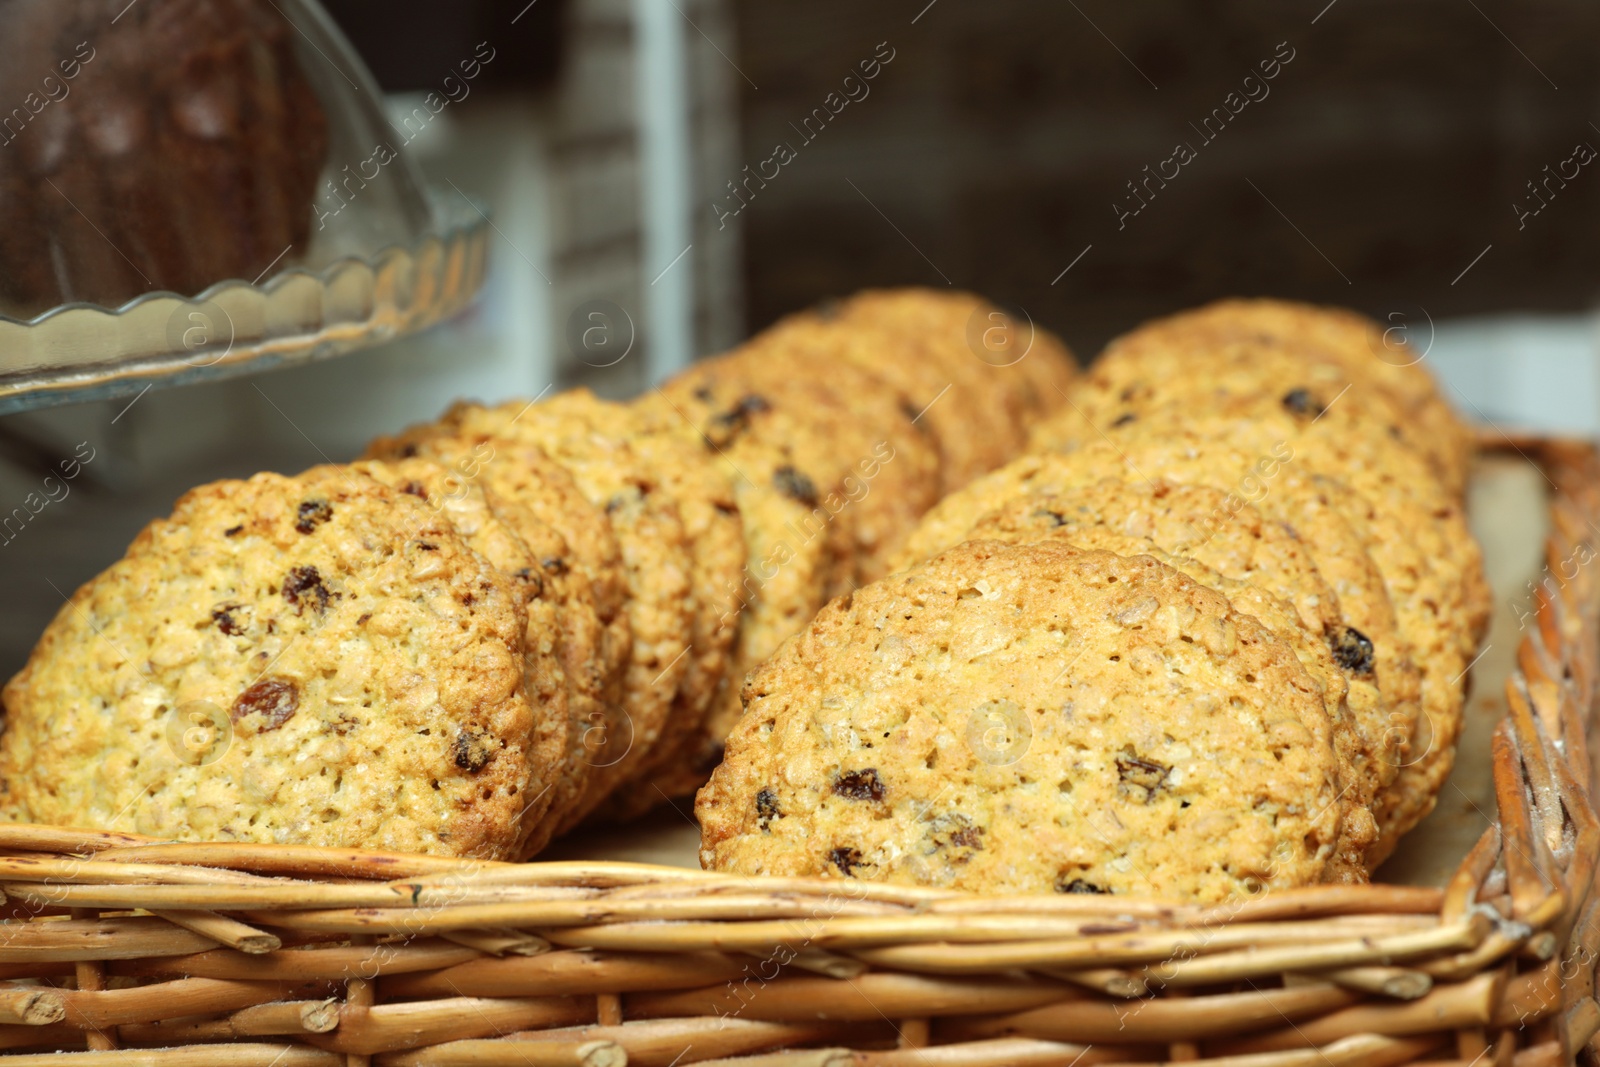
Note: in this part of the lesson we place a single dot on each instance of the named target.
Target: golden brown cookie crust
(797, 545)
(579, 557)
(1282, 490)
(1030, 718)
(1020, 370)
(1108, 519)
(656, 555)
(953, 417)
(1379, 354)
(1417, 535)
(355, 668)
(715, 532)
(853, 419)
(479, 519)
(1190, 374)
(1414, 531)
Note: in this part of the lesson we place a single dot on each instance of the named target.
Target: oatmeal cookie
(926, 393)
(479, 518)
(853, 420)
(656, 555)
(1022, 371)
(1417, 535)
(1031, 718)
(1261, 396)
(710, 513)
(580, 562)
(796, 546)
(1108, 517)
(1375, 353)
(316, 659)
(1196, 373)
(1367, 642)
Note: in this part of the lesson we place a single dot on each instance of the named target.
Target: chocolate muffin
(167, 145)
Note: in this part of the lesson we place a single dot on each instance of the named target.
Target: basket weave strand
(121, 950)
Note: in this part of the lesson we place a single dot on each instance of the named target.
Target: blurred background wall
(1377, 164)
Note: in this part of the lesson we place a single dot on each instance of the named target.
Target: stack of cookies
(1209, 637)
(516, 618)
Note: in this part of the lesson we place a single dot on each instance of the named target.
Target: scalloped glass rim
(81, 352)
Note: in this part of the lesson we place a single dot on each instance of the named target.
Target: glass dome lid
(193, 188)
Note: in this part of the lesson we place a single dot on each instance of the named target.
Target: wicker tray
(216, 954)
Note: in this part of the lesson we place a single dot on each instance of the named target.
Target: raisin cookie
(710, 514)
(1190, 374)
(1369, 644)
(854, 420)
(1419, 621)
(1021, 369)
(1416, 533)
(1076, 519)
(656, 555)
(1031, 718)
(923, 390)
(478, 518)
(1375, 353)
(581, 563)
(1228, 536)
(317, 659)
(796, 546)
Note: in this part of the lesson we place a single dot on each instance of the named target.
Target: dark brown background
(1396, 141)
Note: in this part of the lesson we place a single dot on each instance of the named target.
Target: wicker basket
(216, 954)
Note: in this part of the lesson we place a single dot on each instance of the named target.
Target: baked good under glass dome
(190, 188)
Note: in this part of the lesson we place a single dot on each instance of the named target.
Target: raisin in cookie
(318, 659)
(1031, 718)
